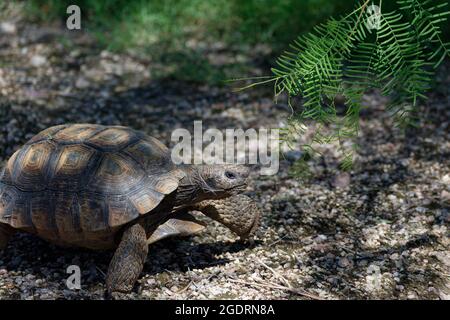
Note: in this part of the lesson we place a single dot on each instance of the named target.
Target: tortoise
(112, 187)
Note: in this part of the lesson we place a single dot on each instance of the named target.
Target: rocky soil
(380, 231)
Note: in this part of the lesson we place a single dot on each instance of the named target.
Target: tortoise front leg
(5, 234)
(239, 213)
(128, 260)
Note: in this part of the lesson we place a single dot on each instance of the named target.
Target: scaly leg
(128, 260)
(239, 213)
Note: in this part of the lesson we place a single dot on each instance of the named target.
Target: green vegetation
(147, 22)
(178, 32)
(339, 59)
(346, 57)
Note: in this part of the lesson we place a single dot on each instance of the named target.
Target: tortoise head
(211, 182)
(221, 181)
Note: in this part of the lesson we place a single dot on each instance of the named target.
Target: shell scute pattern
(146, 199)
(29, 170)
(7, 199)
(12, 207)
(112, 139)
(42, 213)
(164, 183)
(47, 134)
(20, 217)
(93, 216)
(153, 157)
(116, 175)
(70, 164)
(67, 213)
(76, 133)
(73, 181)
(120, 210)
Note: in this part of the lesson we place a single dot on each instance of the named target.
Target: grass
(179, 32)
(122, 23)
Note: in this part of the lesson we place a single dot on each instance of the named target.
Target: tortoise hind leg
(5, 234)
(128, 260)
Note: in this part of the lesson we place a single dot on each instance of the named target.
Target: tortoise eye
(230, 175)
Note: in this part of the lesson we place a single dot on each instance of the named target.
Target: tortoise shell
(78, 184)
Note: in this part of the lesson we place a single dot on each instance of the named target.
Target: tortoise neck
(189, 190)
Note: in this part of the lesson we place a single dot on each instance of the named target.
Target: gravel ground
(378, 232)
